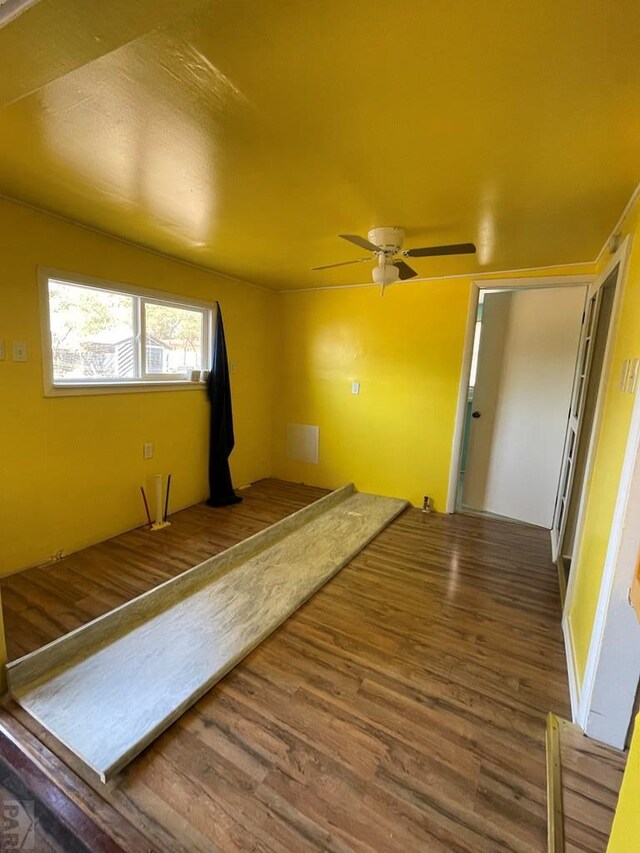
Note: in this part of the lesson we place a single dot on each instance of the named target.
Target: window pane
(174, 339)
(92, 333)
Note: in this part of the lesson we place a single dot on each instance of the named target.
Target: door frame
(620, 259)
(478, 285)
(582, 696)
(586, 344)
(612, 671)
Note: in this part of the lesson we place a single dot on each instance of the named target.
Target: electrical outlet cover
(19, 351)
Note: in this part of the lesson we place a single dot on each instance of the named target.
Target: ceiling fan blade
(428, 251)
(404, 270)
(342, 264)
(360, 241)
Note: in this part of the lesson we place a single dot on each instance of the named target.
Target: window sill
(95, 389)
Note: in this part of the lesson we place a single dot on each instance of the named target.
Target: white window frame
(146, 381)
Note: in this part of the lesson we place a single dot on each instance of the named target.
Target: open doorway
(521, 373)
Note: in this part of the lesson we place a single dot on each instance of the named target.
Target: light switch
(19, 351)
(147, 450)
(632, 376)
(624, 372)
(355, 387)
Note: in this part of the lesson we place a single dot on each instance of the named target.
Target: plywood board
(109, 688)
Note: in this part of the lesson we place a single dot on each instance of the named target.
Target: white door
(492, 328)
(526, 364)
(576, 412)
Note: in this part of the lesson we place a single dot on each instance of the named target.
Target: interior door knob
(475, 414)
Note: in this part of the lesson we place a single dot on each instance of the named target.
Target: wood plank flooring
(216, 614)
(401, 709)
(591, 779)
(41, 605)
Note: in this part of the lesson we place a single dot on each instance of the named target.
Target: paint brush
(146, 506)
(166, 500)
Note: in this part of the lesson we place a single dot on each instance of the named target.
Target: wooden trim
(591, 776)
(613, 664)
(555, 828)
(538, 282)
(484, 277)
(572, 674)
(562, 579)
(635, 195)
(463, 395)
(620, 258)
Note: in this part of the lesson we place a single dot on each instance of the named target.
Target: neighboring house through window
(100, 335)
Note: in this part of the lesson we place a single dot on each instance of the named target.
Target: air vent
(302, 443)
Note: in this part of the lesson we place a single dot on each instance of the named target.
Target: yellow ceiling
(244, 135)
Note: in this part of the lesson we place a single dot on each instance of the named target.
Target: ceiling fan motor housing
(389, 239)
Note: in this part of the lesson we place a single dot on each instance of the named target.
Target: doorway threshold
(477, 513)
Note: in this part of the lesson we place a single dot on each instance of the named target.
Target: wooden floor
(401, 709)
(591, 779)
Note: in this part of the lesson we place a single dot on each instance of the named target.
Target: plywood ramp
(109, 688)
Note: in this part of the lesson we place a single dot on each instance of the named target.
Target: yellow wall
(405, 349)
(71, 467)
(625, 833)
(610, 449)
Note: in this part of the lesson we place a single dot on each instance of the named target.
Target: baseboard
(562, 581)
(555, 546)
(572, 672)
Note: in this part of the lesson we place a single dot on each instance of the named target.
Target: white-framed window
(105, 337)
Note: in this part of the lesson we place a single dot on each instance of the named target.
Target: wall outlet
(19, 351)
(355, 387)
(147, 450)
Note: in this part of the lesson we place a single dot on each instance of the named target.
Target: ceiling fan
(386, 244)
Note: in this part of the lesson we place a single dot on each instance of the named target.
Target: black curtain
(221, 433)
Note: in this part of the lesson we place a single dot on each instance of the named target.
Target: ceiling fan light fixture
(385, 244)
(385, 274)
